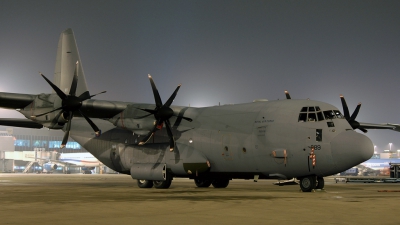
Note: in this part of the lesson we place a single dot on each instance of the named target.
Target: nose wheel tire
(145, 183)
(307, 184)
(320, 183)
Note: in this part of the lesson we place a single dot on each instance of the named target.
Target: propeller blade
(152, 111)
(345, 108)
(355, 113)
(287, 95)
(141, 117)
(60, 94)
(157, 97)
(94, 127)
(66, 135)
(171, 99)
(96, 94)
(47, 112)
(185, 118)
(170, 135)
(363, 130)
(72, 90)
(55, 120)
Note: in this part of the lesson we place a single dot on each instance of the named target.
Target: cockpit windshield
(314, 113)
(310, 114)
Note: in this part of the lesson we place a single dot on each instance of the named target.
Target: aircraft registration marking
(316, 147)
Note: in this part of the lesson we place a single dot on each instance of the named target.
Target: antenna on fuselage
(287, 95)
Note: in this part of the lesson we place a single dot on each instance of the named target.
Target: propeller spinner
(69, 105)
(352, 119)
(162, 113)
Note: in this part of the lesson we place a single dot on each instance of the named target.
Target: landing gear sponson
(202, 183)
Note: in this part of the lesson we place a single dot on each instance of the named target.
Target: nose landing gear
(309, 183)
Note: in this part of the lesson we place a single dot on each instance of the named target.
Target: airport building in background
(31, 140)
(27, 139)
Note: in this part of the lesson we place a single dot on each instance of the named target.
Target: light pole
(390, 147)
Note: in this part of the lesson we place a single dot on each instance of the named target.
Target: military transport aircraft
(154, 143)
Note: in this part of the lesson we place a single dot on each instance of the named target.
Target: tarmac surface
(116, 199)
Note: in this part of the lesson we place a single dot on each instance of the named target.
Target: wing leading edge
(387, 126)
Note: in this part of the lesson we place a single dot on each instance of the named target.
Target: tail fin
(67, 56)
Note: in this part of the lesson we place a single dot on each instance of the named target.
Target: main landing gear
(309, 183)
(218, 183)
(159, 184)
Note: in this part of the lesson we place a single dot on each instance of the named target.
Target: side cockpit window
(310, 114)
(333, 114)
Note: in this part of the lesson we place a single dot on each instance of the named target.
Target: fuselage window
(311, 109)
(318, 134)
(304, 109)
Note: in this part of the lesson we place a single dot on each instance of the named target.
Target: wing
(387, 126)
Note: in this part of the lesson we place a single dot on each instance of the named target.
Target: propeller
(162, 113)
(70, 104)
(352, 119)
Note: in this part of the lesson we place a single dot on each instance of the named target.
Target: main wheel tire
(307, 184)
(162, 184)
(203, 183)
(220, 183)
(320, 183)
(145, 183)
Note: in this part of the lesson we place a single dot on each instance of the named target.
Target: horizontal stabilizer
(15, 101)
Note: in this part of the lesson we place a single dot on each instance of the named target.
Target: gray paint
(234, 141)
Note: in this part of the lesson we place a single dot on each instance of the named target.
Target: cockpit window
(320, 116)
(303, 117)
(314, 114)
(333, 114)
(329, 114)
(312, 117)
(338, 114)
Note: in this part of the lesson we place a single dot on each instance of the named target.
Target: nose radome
(350, 148)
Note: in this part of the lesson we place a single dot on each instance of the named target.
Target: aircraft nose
(350, 148)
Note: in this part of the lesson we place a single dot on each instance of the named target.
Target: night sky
(221, 51)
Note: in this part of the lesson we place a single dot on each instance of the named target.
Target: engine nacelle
(139, 126)
(50, 166)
